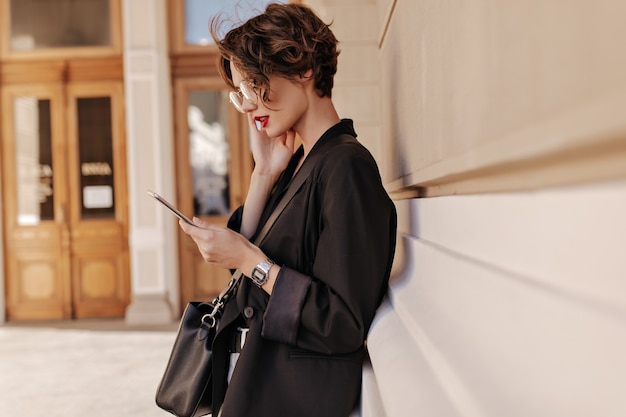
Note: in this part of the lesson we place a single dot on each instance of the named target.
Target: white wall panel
(406, 381)
(371, 402)
(495, 345)
(570, 239)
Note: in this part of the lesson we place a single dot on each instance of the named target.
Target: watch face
(258, 276)
(260, 272)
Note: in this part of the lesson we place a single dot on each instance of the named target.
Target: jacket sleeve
(234, 222)
(331, 311)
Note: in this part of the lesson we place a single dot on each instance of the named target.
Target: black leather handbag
(187, 384)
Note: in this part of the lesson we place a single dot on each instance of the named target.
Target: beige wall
(507, 304)
(500, 131)
(484, 89)
(356, 93)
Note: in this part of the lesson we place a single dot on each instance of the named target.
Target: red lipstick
(263, 120)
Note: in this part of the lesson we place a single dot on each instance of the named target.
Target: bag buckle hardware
(209, 320)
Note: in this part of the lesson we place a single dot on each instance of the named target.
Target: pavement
(82, 368)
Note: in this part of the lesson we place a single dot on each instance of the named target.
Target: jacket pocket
(298, 353)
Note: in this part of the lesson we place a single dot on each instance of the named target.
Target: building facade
(500, 132)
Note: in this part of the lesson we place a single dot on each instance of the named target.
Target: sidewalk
(74, 371)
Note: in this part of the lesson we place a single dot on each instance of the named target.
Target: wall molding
(391, 7)
(584, 144)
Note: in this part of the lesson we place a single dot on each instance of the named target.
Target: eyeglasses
(246, 92)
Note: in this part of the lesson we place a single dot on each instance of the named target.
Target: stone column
(150, 156)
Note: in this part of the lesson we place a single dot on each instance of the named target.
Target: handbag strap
(298, 180)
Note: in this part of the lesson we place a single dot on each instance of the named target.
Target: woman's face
(285, 104)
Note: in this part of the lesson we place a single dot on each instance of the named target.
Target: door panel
(38, 286)
(36, 232)
(98, 220)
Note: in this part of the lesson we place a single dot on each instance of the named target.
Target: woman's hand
(271, 155)
(223, 247)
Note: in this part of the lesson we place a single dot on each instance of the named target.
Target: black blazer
(335, 242)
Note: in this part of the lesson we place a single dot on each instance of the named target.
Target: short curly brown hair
(286, 40)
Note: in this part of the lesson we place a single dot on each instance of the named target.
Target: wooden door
(97, 200)
(37, 236)
(65, 201)
(213, 167)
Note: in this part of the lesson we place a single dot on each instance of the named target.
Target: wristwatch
(260, 273)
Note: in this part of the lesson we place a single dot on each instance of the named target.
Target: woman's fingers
(200, 223)
(217, 245)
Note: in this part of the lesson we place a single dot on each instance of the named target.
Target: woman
(291, 343)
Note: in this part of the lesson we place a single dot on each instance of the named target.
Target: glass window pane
(95, 150)
(199, 12)
(33, 153)
(209, 151)
(37, 24)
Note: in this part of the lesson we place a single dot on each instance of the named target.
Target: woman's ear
(307, 75)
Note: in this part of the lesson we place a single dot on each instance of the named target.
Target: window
(194, 15)
(60, 27)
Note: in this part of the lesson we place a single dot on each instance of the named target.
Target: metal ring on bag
(212, 323)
